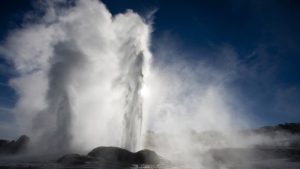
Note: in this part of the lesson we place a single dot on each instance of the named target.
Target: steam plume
(80, 75)
(85, 80)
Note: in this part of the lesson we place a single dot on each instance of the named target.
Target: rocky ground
(14, 147)
(282, 153)
(253, 158)
(117, 158)
(100, 157)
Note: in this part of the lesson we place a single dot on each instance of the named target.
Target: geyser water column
(133, 114)
(80, 72)
(134, 64)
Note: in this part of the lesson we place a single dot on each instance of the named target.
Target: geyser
(133, 105)
(84, 80)
(80, 73)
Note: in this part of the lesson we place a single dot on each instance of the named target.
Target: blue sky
(264, 37)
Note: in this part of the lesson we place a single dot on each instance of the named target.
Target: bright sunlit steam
(86, 78)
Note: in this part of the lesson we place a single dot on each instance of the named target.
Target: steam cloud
(80, 72)
(85, 79)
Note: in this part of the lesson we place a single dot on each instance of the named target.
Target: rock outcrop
(125, 156)
(75, 159)
(14, 147)
(112, 155)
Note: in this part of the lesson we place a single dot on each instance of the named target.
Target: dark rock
(124, 156)
(14, 147)
(75, 159)
(292, 128)
(112, 154)
(20, 145)
(147, 157)
(3, 142)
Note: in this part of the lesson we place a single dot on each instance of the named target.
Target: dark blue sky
(264, 35)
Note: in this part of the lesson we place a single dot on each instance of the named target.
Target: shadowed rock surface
(292, 128)
(14, 147)
(75, 159)
(281, 151)
(252, 158)
(112, 155)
